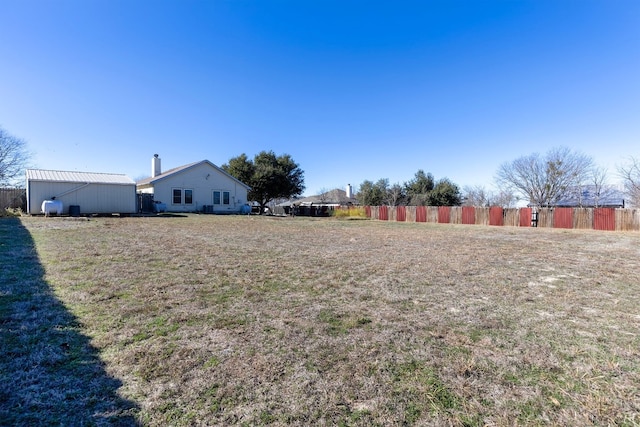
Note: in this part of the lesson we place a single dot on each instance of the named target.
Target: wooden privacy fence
(611, 219)
(13, 198)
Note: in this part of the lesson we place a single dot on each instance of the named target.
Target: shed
(90, 192)
(195, 187)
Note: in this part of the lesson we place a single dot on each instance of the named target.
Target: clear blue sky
(352, 90)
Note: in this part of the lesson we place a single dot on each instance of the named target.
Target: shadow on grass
(50, 374)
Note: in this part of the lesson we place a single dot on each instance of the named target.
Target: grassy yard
(235, 320)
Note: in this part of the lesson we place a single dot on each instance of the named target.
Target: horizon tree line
(539, 179)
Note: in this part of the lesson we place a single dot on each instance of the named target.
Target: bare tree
(324, 195)
(475, 196)
(479, 196)
(504, 198)
(13, 158)
(630, 174)
(544, 180)
(395, 195)
(600, 189)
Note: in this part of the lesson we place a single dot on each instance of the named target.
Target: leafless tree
(475, 196)
(504, 198)
(630, 174)
(600, 187)
(395, 195)
(544, 180)
(479, 196)
(13, 158)
(324, 195)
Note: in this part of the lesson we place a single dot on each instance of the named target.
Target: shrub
(351, 212)
(10, 212)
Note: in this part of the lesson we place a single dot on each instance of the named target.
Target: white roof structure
(93, 192)
(71, 176)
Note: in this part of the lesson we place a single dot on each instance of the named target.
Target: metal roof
(72, 176)
(587, 196)
(152, 179)
(336, 197)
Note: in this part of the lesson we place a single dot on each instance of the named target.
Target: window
(221, 197)
(177, 196)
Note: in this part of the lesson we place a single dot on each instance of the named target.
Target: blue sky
(352, 90)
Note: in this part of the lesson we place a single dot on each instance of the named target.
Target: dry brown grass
(219, 320)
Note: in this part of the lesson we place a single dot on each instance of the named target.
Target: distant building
(321, 204)
(335, 197)
(588, 197)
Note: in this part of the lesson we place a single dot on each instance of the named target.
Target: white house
(88, 192)
(196, 187)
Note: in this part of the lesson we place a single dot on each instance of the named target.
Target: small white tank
(51, 207)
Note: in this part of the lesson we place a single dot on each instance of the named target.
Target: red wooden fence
(604, 219)
(525, 217)
(468, 215)
(401, 213)
(496, 216)
(610, 219)
(444, 214)
(563, 218)
(383, 214)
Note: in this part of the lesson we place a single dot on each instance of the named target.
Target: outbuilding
(82, 192)
(195, 187)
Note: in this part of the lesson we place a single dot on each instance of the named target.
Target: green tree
(371, 194)
(420, 191)
(240, 168)
(417, 190)
(445, 193)
(269, 176)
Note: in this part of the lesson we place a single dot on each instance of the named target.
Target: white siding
(92, 198)
(203, 179)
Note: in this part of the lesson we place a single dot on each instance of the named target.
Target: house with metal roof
(318, 205)
(590, 196)
(80, 192)
(336, 197)
(195, 187)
